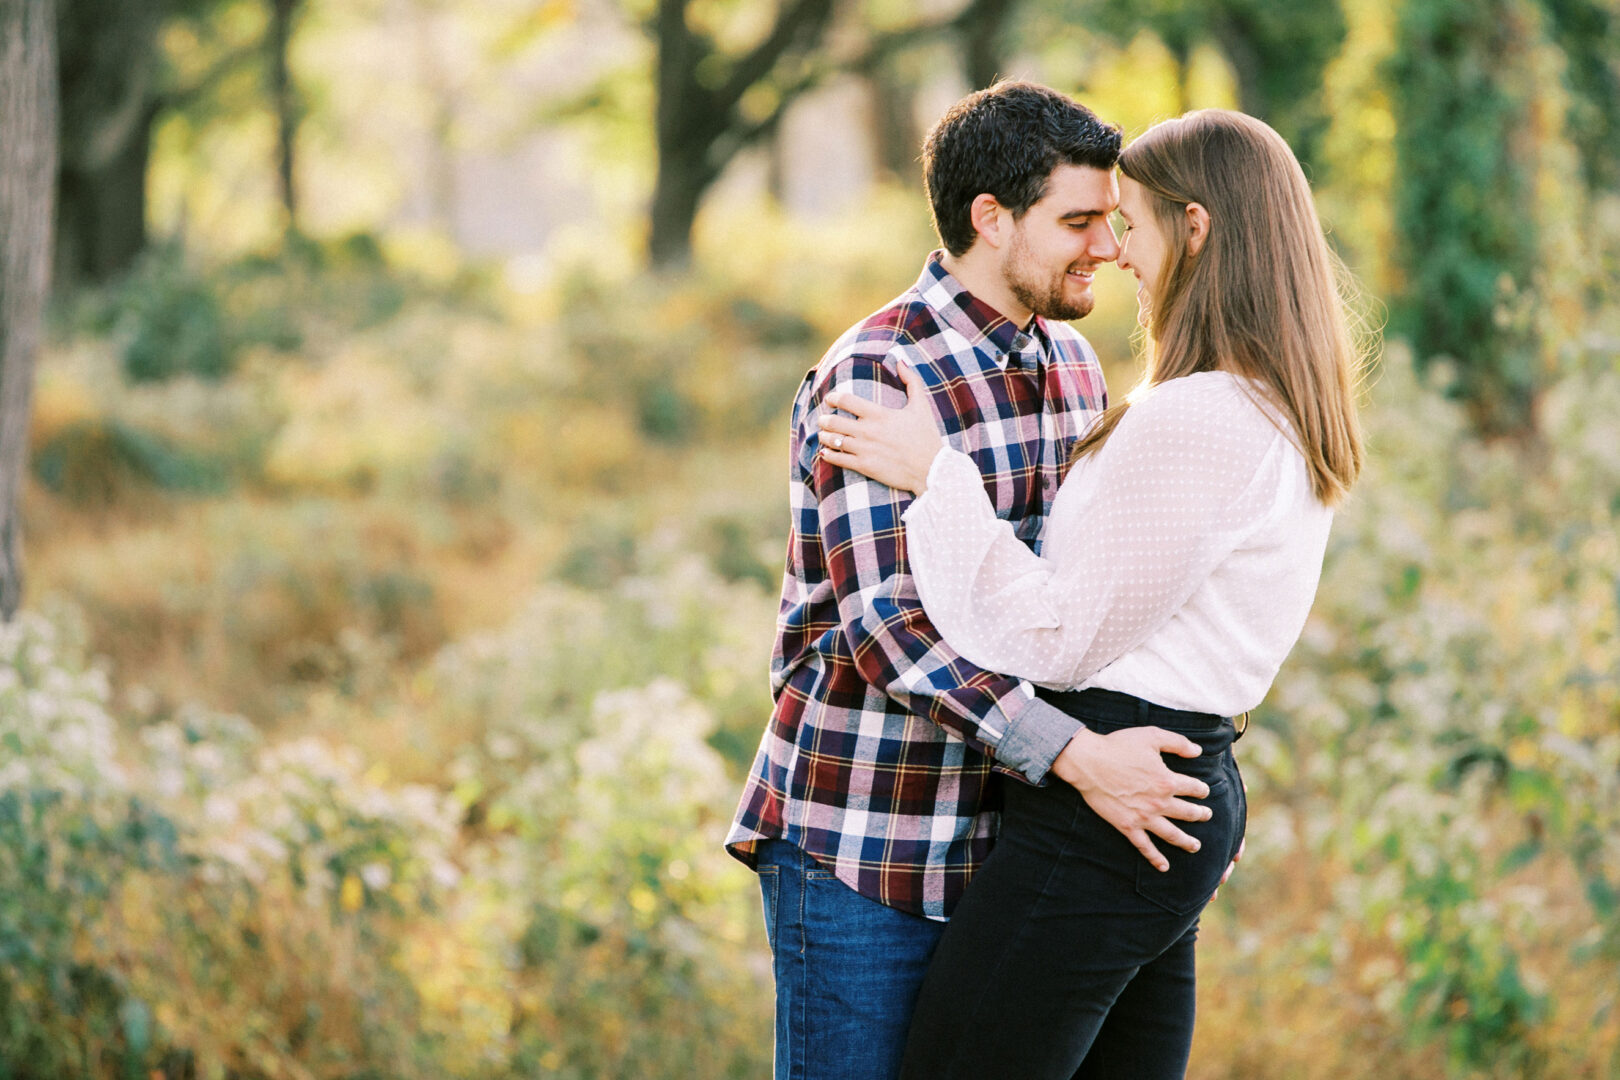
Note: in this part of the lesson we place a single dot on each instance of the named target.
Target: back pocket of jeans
(1194, 875)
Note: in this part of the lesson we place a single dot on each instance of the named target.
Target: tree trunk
(101, 213)
(983, 25)
(684, 136)
(1247, 66)
(894, 125)
(1278, 55)
(676, 195)
(284, 96)
(1180, 49)
(28, 140)
(699, 124)
(107, 101)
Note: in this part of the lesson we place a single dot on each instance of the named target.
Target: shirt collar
(976, 320)
(1030, 346)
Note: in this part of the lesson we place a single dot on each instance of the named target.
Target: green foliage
(1588, 32)
(1461, 84)
(173, 322)
(696, 356)
(611, 803)
(345, 280)
(94, 463)
(128, 940)
(173, 316)
(211, 903)
(1278, 50)
(72, 832)
(396, 463)
(560, 905)
(1451, 718)
(159, 403)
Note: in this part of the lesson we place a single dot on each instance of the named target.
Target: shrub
(1449, 726)
(213, 906)
(215, 903)
(172, 322)
(99, 462)
(73, 833)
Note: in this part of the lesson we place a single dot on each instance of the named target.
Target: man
(871, 801)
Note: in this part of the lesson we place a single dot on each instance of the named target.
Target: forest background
(398, 473)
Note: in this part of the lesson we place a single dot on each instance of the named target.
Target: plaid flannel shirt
(878, 756)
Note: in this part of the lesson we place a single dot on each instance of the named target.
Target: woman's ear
(987, 215)
(1197, 227)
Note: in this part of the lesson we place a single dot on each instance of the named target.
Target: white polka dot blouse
(1178, 564)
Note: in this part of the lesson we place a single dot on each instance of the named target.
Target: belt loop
(1241, 723)
(1142, 708)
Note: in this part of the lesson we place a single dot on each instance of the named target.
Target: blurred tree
(984, 33)
(713, 103)
(982, 28)
(445, 99)
(895, 138)
(1278, 50)
(109, 100)
(1465, 155)
(1179, 26)
(28, 141)
(114, 83)
(1588, 34)
(284, 96)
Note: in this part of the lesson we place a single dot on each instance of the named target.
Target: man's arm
(893, 644)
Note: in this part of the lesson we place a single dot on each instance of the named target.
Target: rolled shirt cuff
(1034, 739)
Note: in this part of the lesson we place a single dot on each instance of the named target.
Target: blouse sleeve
(1183, 480)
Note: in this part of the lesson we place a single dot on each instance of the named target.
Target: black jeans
(1070, 956)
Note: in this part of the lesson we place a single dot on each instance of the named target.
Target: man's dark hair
(1005, 141)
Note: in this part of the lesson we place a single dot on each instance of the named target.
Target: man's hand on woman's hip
(1123, 778)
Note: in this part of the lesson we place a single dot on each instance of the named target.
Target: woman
(1179, 563)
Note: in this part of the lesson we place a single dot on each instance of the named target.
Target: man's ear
(1197, 227)
(989, 219)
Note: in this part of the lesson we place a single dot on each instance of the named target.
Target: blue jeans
(847, 970)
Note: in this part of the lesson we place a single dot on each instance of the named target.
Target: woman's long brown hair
(1264, 297)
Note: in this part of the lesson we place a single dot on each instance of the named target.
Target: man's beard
(1045, 299)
